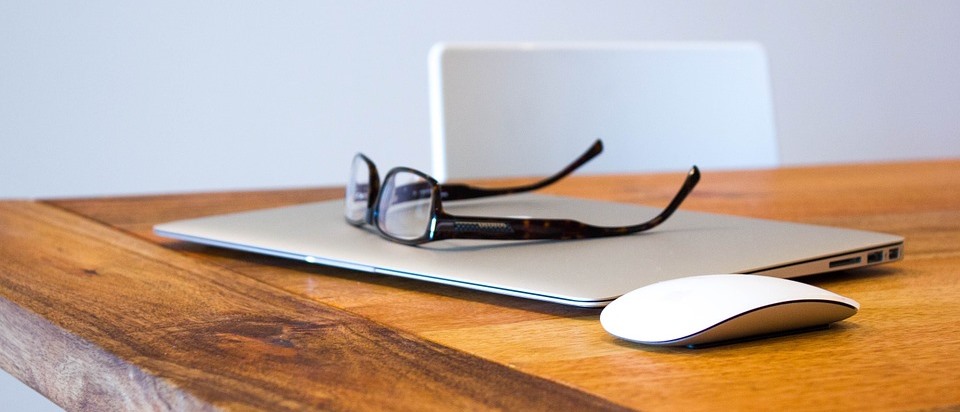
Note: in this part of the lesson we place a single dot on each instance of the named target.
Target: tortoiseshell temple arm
(457, 191)
(463, 227)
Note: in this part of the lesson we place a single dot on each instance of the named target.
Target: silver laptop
(588, 273)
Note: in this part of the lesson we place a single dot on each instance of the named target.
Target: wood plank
(138, 325)
(897, 353)
(875, 360)
(139, 213)
(77, 374)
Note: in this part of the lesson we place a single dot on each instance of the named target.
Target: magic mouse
(700, 310)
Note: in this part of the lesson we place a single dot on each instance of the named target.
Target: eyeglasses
(408, 207)
(363, 190)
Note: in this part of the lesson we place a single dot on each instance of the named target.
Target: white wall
(110, 97)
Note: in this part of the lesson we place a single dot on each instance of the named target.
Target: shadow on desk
(292, 275)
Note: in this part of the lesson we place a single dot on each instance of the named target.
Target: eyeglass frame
(460, 191)
(443, 225)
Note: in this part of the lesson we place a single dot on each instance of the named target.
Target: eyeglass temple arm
(522, 229)
(457, 191)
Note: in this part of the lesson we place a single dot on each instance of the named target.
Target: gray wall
(111, 97)
(15, 396)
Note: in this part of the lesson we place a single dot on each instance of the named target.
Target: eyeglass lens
(405, 205)
(358, 191)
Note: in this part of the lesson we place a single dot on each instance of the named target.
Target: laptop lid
(588, 273)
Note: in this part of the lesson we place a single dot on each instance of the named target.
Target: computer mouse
(712, 309)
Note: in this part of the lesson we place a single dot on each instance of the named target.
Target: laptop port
(845, 262)
(875, 257)
(894, 254)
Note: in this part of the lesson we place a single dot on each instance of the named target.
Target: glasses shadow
(461, 245)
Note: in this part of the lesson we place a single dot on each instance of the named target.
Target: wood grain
(898, 353)
(137, 326)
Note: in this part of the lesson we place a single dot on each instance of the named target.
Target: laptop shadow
(283, 273)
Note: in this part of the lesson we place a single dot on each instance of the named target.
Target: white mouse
(699, 310)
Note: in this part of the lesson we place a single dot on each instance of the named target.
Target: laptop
(586, 273)
(589, 272)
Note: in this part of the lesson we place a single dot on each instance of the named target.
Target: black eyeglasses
(408, 207)
(363, 190)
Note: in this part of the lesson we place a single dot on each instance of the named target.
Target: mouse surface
(708, 309)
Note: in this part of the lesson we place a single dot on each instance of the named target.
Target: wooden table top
(98, 313)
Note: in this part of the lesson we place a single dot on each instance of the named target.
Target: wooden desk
(98, 313)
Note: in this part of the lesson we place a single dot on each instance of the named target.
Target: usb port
(845, 262)
(894, 254)
(875, 257)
